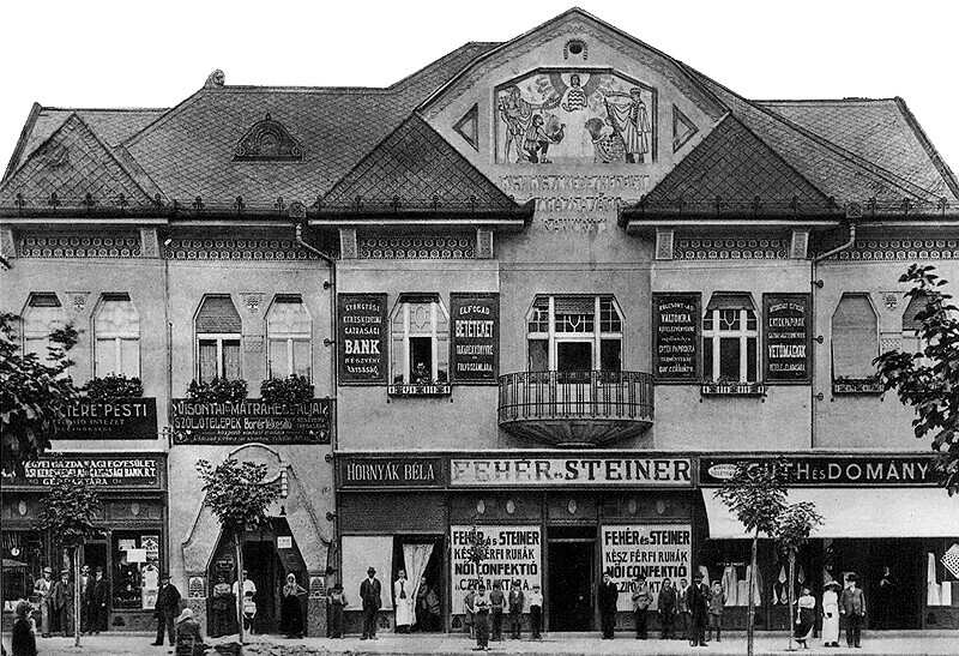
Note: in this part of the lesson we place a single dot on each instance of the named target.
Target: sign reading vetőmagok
(511, 553)
(657, 551)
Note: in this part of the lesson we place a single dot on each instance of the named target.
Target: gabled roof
(414, 167)
(72, 163)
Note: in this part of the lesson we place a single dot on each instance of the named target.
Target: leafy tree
(929, 380)
(756, 495)
(239, 497)
(793, 526)
(69, 513)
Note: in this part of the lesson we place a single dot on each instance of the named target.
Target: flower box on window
(732, 388)
(428, 389)
(845, 385)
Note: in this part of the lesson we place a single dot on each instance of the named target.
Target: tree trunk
(239, 585)
(792, 595)
(750, 606)
(76, 596)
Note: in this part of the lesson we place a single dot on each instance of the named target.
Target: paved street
(905, 642)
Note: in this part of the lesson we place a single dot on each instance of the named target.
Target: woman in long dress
(805, 617)
(830, 615)
(291, 612)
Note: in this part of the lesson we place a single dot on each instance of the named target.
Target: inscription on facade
(361, 339)
(786, 336)
(101, 471)
(120, 419)
(676, 329)
(474, 344)
(832, 471)
(387, 472)
(634, 472)
(196, 422)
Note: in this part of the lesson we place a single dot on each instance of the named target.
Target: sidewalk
(571, 644)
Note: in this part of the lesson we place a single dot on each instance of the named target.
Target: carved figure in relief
(631, 122)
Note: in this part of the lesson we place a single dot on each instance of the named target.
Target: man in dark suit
(370, 591)
(99, 593)
(697, 604)
(608, 595)
(166, 610)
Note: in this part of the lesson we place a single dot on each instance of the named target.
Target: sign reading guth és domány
(630, 472)
(361, 339)
(198, 422)
(831, 471)
(676, 331)
(474, 352)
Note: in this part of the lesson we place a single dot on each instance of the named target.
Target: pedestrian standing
(666, 601)
(223, 621)
(22, 641)
(697, 603)
(884, 601)
(642, 598)
(481, 604)
(852, 606)
(497, 602)
(830, 615)
(517, 603)
(42, 588)
(470, 608)
(338, 604)
(99, 594)
(189, 640)
(60, 596)
(536, 612)
(717, 601)
(85, 581)
(402, 603)
(371, 595)
(291, 610)
(683, 608)
(166, 610)
(608, 596)
(805, 617)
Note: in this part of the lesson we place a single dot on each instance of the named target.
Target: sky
(100, 53)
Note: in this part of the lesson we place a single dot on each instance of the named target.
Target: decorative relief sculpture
(268, 140)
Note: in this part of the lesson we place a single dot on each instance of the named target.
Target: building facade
(548, 292)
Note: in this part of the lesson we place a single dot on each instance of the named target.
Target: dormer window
(268, 141)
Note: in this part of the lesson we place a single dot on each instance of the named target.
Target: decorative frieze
(75, 245)
(417, 247)
(903, 249)
(732, 249)
(235, 249)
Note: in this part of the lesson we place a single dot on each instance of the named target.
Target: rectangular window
(538, 355)
(136, 560)
(855, 338)
(231, 359)
(420, 326)
(730, 338)
(575, 333)
(611, 355)
(218, 327)
(208, 360)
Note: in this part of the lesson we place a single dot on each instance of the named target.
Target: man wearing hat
(60, 597)
(42, 588)
(99, 593)
(608, 596)
(697, 605)
(642, 598)
(166, 610)
(370, 592)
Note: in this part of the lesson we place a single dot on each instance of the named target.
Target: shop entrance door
(570, 604)
(259, 559)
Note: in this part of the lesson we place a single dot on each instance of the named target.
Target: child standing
(717, 600)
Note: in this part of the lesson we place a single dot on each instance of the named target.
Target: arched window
(731, 338)
(574, 334)
(117, 332)
(421, 334)
(42, 315)
(288, 331)
(855, 338)
(218, 328)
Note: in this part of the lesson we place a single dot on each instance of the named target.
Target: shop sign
(657, 551)
(509, 553)
(831, 471)
(390, 472)
(786, 337)
(102, 471)
(361, 339)
(200, 422)
(562, 472)
(474, 338)
(119, 419)
(676, 321)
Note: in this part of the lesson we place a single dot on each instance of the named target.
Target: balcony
(576, 409)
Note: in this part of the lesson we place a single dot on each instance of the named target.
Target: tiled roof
(732, 164)
(411, 167)
(72, 163)
(882, 131)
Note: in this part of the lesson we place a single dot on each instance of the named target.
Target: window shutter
(855, 341)
(218, 315)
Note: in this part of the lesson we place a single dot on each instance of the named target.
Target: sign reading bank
(599, 471)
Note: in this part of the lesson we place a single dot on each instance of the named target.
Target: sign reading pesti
(361, 339)
(118, 419)
(676, 321)
(200, 422)
(388, 472)
(511, 553)
(831, 471)
(657, 551)
(786, 337)
(520, 472)
(102, 471)
(474, 338)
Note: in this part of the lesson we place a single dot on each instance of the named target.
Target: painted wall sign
(121, 419)
(474, 338)
(389, 472)
(198, 422)
(832, 471)
(103, 471)
(611, 472)
(658, 551)
(361, 339)
(787, 331)
(511, 553)
(676, 322)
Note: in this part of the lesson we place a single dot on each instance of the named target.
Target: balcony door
(574, 356)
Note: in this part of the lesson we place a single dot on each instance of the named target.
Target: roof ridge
(136, 136)
(804, 101)
(929, 147)
(18, 149)
(105, 109)
(409, 78)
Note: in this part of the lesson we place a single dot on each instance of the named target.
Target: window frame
(219, 339)
(832, 334)
(117, 339)
(712, 358)
(27, 334)
(289, 338)
(403, 305)
(595, 337)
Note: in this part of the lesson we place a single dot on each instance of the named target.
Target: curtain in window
(231, 359)
(279, 361)
(855, 341)
(207, 356)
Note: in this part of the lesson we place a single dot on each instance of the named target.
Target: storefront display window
(575, 334)
(730, 339)
(420, 329)
(136, 558)
(24, 557)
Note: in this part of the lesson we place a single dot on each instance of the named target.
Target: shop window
(218, 328)
(42, 316)
(24, 557)
(117, 331)
(136, 569)
(730, 339)
(855, 338)
(289, 329)
(420, 329)
(574, 334)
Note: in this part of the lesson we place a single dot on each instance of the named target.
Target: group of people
(54, 602)
(414, 606)
(838, 603)
(485, 611)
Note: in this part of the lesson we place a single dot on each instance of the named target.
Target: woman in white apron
(403, 602)
(830, 615)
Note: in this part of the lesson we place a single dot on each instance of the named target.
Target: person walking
(402, 603)
(642, 599)
(166, 610)
(608, 596)
(536, 612)
(22, 641)
(497, 602)
(338, 604)
(99, 594)
(41, 589)
(852, 606)
(371, 591)
(717, 601)
(682, 608)
(291, 610)
(666, 602)
(805, 617)
(60, 597)
(697, 604)
(481, 606)
(469, 607)
(830, 615)
(517, 603)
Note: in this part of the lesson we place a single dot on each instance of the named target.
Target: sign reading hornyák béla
(474, 338)
(390, 472)
(605, 471)
(118, 419)
(510, 553)
(101, 471)
(361, 343)
(831, 471)
(657, 551)
(786, 336)
(676, 330)
(201, 422)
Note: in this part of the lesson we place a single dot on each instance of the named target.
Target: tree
(68, 513)
(239, 497)
(756, 495)
(929, 380)
(793, 526)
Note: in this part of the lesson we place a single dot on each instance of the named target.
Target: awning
(927, 512)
